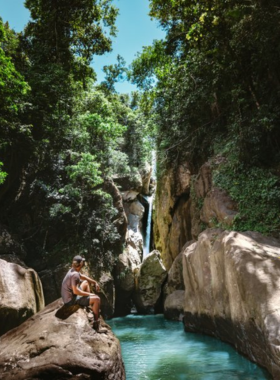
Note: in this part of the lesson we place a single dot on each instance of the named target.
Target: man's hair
(77, 260)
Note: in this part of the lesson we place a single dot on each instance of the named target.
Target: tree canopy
(61, 136)
(212, 87)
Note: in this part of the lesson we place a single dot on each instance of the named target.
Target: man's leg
(85, 286)
(94, 300)
(94, 303)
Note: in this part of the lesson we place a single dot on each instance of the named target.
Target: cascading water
(147, 239)
(149, 199)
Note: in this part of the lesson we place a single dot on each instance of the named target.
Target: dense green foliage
(217, 82)
(257, 193)
(62, 137)
(211, 87)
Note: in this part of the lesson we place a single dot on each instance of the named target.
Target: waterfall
(147, 240)
(149, 199)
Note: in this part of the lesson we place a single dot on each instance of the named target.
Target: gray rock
(150, 279)
(107, 295)
(174, 289)
(21, 295)
(134, 211)
(45, 347)
(232, 292)
(135, 240)
(124, 275)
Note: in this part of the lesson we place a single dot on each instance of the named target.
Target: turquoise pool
(156, 349)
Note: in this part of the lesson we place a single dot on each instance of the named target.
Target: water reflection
(156, 349)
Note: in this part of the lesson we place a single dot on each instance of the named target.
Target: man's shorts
(79, 300)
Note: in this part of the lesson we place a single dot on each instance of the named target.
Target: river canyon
(212, 281)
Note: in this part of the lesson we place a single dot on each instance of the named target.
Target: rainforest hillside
(213, 87)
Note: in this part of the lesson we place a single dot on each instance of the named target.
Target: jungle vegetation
(210, 89)
(213, 89)
(62, 137)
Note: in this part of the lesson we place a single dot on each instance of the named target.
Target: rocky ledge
(45, 347)
(232, 292)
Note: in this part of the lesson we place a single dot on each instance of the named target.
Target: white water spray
(147, 240)
(149, 199)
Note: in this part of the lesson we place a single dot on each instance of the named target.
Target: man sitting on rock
(75, 290)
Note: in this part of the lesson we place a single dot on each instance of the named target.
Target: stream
(157, 349)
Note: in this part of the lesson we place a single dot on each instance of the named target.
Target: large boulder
(132, 181)
(45, 347)
(135, 240)
(107, 295)
(124, 274)
(149, 282)
(232, 291)
(134, 211)
(21, 295)
(174, 289)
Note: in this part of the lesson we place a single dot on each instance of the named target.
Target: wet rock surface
(45, 347)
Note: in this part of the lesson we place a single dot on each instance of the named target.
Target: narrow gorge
(142, 136)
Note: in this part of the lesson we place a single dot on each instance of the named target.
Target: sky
(136, 29)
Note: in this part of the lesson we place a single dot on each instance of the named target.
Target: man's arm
(90, 280)
(75, 282)
(80, 292)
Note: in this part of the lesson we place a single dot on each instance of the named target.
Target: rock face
(44, 347)
(21, 295)
(134, 211)
(129, 182)
(186, 201)
(172, 218)
(174, 289)
(149, 281)
(218, 206)
(146, 173)
(121, 219)
(232, 292)
(107, 295)
(124, 275)
(128, 262)
(135, 240)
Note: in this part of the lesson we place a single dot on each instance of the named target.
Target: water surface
(156, 349)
